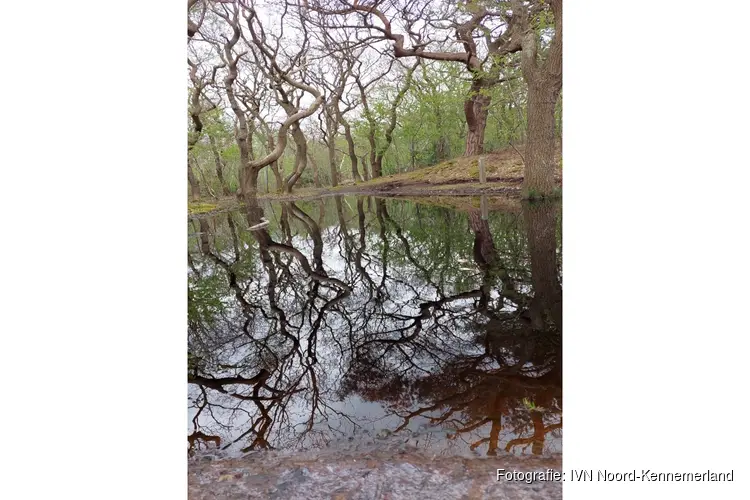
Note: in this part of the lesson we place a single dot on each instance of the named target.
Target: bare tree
(197, 106)
(256, 100)
(378, 149)
(340, 102)
(194, 25)
(441, 26)
(268, 57)
(377, 160)
(329, 128)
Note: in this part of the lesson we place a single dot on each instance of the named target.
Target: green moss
(533, 195)
(200, 207)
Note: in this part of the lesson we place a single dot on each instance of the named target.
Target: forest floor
(374, 475)
(441, 182)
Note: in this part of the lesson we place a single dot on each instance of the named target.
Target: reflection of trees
(465, 387)
(270, 341)
(396, 303)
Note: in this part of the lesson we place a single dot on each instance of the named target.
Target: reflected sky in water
(358, 319)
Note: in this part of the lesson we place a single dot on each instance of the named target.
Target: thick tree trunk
(540, 163)
(248, 181)
(485, 252)
(195, 187)
(254, 214)
(540, 219)
(544, 80)
(476, 108)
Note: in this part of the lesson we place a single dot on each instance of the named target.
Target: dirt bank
(452, 178)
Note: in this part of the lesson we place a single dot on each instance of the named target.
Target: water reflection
(352, 319)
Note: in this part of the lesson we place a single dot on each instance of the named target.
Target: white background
(93, 247)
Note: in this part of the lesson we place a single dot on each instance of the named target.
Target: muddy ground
(371, 476)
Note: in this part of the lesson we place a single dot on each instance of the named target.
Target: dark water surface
(351, 321)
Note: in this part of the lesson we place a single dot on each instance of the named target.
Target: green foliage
(204, 299)
(431, 124)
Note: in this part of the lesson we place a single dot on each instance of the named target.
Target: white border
(655, 236)
(93, 304)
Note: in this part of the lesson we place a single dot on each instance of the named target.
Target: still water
(354, 321)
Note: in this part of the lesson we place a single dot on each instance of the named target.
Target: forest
(312, 94)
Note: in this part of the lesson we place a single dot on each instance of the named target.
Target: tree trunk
(206, 184)
(275, 165)
(353, 158)
(376, 159)
(332, 162)
(442, 150)
(242, 133)
(476, 108)
(331, 127)
(300, 158)
(540, 219)
(544, 81)
(248, 181)
(195, 187)
(377, 167)
(365, 172)
(316, 171)
(412, 155)
(219, 166)
(539, 169)
(485, 252)
(442, 146)
(352, 153)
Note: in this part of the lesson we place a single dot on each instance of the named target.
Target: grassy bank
(504, 172)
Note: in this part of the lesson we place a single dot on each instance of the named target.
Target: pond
(356, 322)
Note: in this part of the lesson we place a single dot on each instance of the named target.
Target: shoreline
(506, 195)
